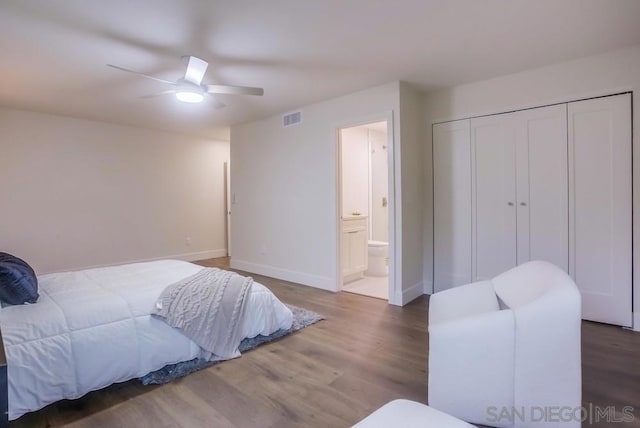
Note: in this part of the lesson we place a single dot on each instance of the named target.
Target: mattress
(92, 328)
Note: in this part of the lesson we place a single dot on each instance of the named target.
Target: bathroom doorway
(364, 227)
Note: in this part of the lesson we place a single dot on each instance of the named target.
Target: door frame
(393, 178)
(227, 206)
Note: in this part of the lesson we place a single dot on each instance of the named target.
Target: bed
(92, 328)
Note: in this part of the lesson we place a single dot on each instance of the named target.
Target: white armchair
(506, 352)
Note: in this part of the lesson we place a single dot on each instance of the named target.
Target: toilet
(378, 258)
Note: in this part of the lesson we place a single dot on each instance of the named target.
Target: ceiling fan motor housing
(189, 92)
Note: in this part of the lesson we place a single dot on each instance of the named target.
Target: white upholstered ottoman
(409, 414)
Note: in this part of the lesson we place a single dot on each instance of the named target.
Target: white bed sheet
(92, 328)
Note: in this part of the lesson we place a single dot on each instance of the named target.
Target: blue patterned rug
(301, 318)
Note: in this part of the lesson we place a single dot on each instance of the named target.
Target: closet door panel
(452, 204)
(600, 206)
(542, 185)
(493, 195)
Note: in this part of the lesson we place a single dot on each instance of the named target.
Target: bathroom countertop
(354, 217)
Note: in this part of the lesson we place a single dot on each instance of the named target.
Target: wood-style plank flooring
(331, 374)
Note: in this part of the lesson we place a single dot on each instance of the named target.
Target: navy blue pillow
(18, 281)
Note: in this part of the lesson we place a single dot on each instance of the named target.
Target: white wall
(379, 181)
(355, 171)
(587, 77)
(284, 222)
(412, 156)
(77, 193)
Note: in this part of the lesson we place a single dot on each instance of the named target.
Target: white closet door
(452, 204)
(493, 195)
(600, 206)
(542, 187)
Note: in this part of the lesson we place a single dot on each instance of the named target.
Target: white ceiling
(53, 52)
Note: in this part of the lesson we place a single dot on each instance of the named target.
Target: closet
(519, 198)
(354, 247)
(550, 183)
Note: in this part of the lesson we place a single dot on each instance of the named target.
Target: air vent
(292, 118)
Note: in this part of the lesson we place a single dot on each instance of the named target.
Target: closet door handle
(510, 204)
(523, 204)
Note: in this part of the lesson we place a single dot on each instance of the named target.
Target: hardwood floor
(330, 374)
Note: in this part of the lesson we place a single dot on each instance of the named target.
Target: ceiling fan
(190, 88)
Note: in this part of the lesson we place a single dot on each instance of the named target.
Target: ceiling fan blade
(234, 90)
(196, 68)
(139, 74)
(159, 94)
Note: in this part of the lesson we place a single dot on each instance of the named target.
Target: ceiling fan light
(189, 96)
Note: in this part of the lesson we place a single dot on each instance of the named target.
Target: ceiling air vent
(292, 118)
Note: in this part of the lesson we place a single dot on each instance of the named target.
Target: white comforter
(92, 328)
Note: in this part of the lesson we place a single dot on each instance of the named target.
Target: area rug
(301, 318)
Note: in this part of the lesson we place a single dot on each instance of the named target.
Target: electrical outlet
(187, 242)
(263, 249)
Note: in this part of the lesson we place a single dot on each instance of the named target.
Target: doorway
(365, 217)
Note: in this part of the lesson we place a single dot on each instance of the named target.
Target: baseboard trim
(187, 257)
(191, 257)
(428, 287)
(412, 293)
(316, 281)
(405, 296)
(636, 321)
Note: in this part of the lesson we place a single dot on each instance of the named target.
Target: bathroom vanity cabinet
(354, 247)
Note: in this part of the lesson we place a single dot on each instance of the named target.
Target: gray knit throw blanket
(208, 308)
